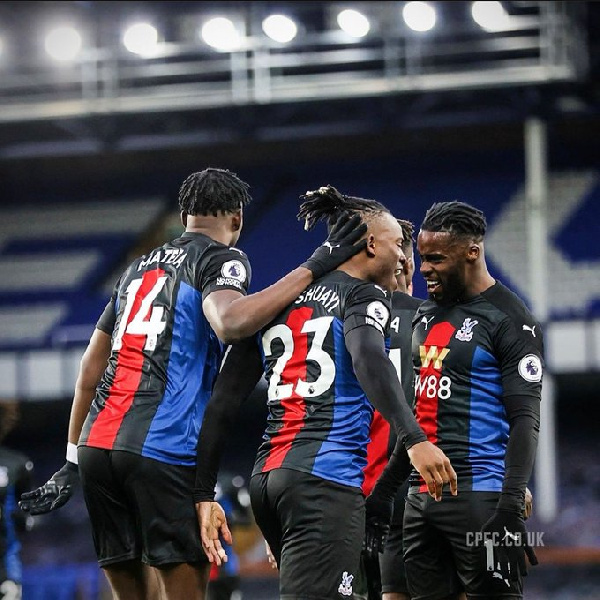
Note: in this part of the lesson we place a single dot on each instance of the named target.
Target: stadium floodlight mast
(221, 34)
(141, 39)
(490, 15)
(353, 23)
(63, 43)
(280, 28)
(419, 16)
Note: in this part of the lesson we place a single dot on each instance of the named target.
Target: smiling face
(443, 265)
(384, 247)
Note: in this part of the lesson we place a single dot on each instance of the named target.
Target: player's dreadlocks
(408, 230)
(326, 203)
(458, 218)
(212, 191)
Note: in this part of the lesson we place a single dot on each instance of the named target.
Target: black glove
(54, 493)
(378, 520)
(505, 535)
(370, 565)
(339, 246)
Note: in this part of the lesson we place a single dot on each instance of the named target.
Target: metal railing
(543, 45)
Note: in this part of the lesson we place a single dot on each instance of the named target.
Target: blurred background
(106, 107)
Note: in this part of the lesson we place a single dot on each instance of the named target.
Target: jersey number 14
(147, 320)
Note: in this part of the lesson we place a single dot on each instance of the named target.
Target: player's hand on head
(434, 467)
(379, 512)
(341, 244)
(213, 527)
(54, 493)
(506, 534)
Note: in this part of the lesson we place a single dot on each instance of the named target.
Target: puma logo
(427, 321)
(328, 245)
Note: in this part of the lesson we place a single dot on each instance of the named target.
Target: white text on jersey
(320, 293)
(169, 256)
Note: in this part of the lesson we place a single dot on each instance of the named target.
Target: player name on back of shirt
(169, 256)
(320, 293)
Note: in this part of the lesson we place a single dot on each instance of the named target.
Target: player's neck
(351, 269)
(216, 228)
(479, 281)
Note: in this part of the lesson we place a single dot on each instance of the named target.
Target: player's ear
(237, 220)
(473, 252)
(183, 216)
(370, 245)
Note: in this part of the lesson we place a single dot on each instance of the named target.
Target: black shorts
(439, 555)
(391, 561)
(140, 508)
(315, 529)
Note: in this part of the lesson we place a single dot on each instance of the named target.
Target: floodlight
(419, 16)
(280, 28)
(353, 23)
(63, 43)
(221, 34)
(142, 39)
(490, 16)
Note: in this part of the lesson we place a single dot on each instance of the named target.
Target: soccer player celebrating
(385, 572)
(146, 377)
(477, 352)
(326, 367)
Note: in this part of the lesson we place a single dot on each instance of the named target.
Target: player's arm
(91, 368)
(523, 413)
(234, 316)
(238, 377)
(378, 378)
(520, 353)
(241, 371)
(60, 487)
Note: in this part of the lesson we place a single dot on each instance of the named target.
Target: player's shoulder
(362, 290)
(514, 318)
(203, 245)
(354, 287)
(508, 303)
(426, 307)
(402, 301)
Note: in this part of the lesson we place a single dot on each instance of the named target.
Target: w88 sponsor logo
(433, 386)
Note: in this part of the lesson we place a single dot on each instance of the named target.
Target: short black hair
(408, 230)
(212, 191)
(457, 218)
(327, 203)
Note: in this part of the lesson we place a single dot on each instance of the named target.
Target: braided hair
(408, 230)
(326, 203)
(213, 191)
(457, 218)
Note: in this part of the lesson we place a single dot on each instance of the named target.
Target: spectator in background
(144, 382)
(15, 478)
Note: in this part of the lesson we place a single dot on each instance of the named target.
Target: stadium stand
(59, 548)
(52, 262)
